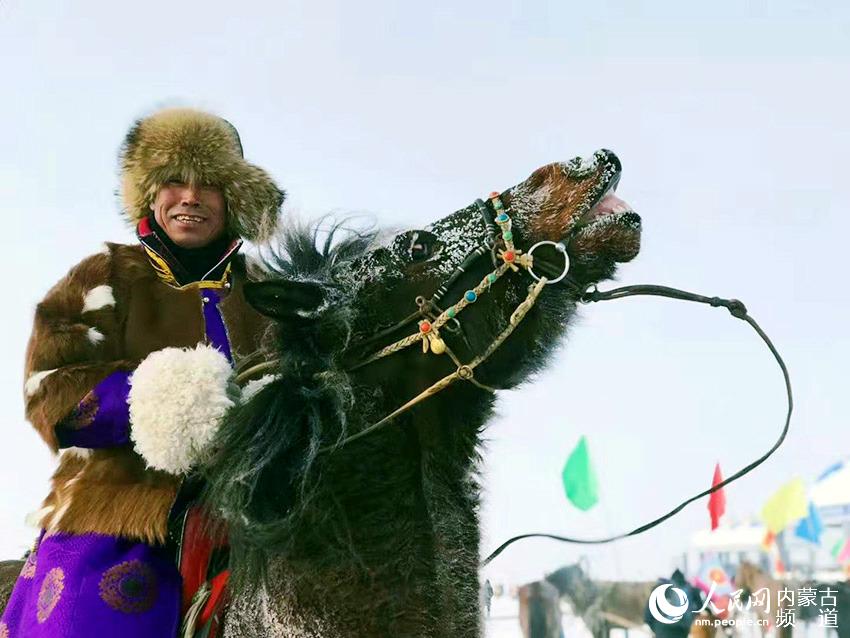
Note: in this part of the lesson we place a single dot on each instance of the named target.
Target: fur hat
(196, 147)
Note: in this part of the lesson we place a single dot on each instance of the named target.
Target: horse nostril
(612, 159)
(631, 218)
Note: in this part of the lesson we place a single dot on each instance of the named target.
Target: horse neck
(589, 592)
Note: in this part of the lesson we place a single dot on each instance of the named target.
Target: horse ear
(284, 299)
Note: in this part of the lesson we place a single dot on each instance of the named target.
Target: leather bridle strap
(511, 259)
(464, 372)
(737, 310)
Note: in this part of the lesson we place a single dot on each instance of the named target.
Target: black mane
(380, 536)
(303, 253)
(264, 482)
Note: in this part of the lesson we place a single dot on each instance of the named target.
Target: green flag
(579, 478)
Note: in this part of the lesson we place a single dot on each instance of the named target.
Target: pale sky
(731, 122)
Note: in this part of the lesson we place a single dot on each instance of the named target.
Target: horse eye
(422, 245)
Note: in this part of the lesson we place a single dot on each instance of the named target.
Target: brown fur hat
(196, 147)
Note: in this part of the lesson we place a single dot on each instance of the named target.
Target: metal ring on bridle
(561, 249)
(466, 372)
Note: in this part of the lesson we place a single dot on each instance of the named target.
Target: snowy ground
(504, 623)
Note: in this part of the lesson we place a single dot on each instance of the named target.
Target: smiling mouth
(189, 219)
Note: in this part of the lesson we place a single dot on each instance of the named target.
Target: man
(127, 374)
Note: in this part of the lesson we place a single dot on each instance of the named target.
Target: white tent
(831, 494)
(739, 538)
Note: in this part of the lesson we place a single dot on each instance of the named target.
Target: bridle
(506, 258)
(430, 318)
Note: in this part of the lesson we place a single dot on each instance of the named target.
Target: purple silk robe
(93, 585)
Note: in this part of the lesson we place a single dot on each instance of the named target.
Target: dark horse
(380, 536)
(606, 605)
(602, 605)
(540, 610)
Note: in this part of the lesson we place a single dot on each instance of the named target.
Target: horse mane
(263, 472)
(315, 250)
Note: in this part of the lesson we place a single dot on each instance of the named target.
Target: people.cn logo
(662, 609)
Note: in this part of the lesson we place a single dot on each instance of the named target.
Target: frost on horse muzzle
(437, 317)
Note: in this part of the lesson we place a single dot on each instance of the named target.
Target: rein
(431, 319)
(507, 259)
(737, 310)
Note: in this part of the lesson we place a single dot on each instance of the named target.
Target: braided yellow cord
(517, 316)
(463, 372)
(482, 287)
(401, 344)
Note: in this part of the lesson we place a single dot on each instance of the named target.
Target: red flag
(717, 500)
(768, 540)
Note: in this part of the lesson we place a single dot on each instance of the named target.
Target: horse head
(573, 582)
(366, 329)
(572, 203)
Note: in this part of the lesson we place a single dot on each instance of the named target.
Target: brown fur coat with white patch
(108, 314)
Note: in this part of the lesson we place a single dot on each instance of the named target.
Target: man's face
(192, 216)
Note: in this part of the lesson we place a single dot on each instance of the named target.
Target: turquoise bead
(507, 235)
(503, 217)
(470, 296)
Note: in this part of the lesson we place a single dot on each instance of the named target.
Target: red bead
(494, 195)
(425, 327)
(509, 255)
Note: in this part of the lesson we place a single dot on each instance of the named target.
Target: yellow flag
(787, 505)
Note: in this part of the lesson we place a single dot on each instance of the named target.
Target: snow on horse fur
(380, 537)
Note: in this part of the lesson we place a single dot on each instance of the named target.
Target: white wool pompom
(177, 399)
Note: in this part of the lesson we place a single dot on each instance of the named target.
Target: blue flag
(811, 527)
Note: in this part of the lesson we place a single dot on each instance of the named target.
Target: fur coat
(108, 314)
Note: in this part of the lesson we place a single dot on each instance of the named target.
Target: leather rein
(431, 319)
